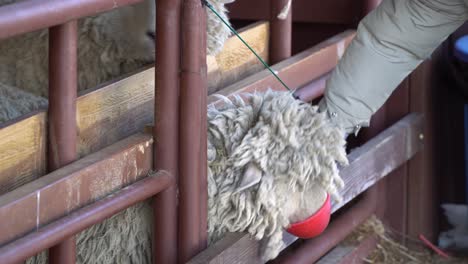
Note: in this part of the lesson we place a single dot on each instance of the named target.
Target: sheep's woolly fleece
(123, 238)
(293, 146)
(109, 45)
(15, 103)
(218, 33)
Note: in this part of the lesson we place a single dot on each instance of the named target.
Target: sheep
(15, 102)
(109, 45)
(457, 237)
(259, 150)
(271, 159)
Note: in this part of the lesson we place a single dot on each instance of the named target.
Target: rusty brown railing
(67, 226)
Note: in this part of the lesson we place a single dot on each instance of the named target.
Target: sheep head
(132, 27)
(272, 158)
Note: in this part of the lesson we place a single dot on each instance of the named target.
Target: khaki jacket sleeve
(390, 43)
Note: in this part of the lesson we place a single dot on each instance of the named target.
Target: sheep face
(272, 160)
(133, 27)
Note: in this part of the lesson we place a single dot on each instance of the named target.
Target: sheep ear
(252, 175)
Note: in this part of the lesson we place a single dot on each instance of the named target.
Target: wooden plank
(368, 165)
(73, 186)
(335, 255)
(22, 151)
(296, 71)
(380, 156)
(236, 61)
(114, 111)
(350, 254)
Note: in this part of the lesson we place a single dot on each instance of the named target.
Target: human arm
(390, 43)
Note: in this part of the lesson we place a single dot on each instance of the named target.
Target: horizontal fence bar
(314, 89)
(296, 71)
(31, 15)
(77, 184)
(85, 217)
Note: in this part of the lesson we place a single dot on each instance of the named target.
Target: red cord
(430, 245)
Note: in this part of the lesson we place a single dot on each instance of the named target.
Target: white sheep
(271, 159)
(109, 45)
(15, 102)
(457, 237)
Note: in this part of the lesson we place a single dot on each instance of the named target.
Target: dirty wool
(124, 238)
(291, 152)
(15, 102)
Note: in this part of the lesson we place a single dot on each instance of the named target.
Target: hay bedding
(389, 250)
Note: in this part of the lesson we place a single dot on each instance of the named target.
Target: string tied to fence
(207, 4)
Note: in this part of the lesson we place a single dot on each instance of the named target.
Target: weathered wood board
(368, 164)
(22, 151)
(295, 71)
(73, 186)
(350, 254)
(113, 111)
(236, 61)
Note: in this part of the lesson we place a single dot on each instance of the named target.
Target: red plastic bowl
(314, 225)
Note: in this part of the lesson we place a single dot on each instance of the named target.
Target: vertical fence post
(190, 131)
(280, 31)
(204, 138)
(165, 131)
(62, 114)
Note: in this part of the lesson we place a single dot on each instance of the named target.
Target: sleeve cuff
(350, 124)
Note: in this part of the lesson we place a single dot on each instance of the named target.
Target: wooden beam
(296, 71)
(236, 61)
(115, 111)
(22, 151)
(350, 254)
(368, 164)
(73, 186)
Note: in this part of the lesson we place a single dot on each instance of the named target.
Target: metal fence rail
(61, 229)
